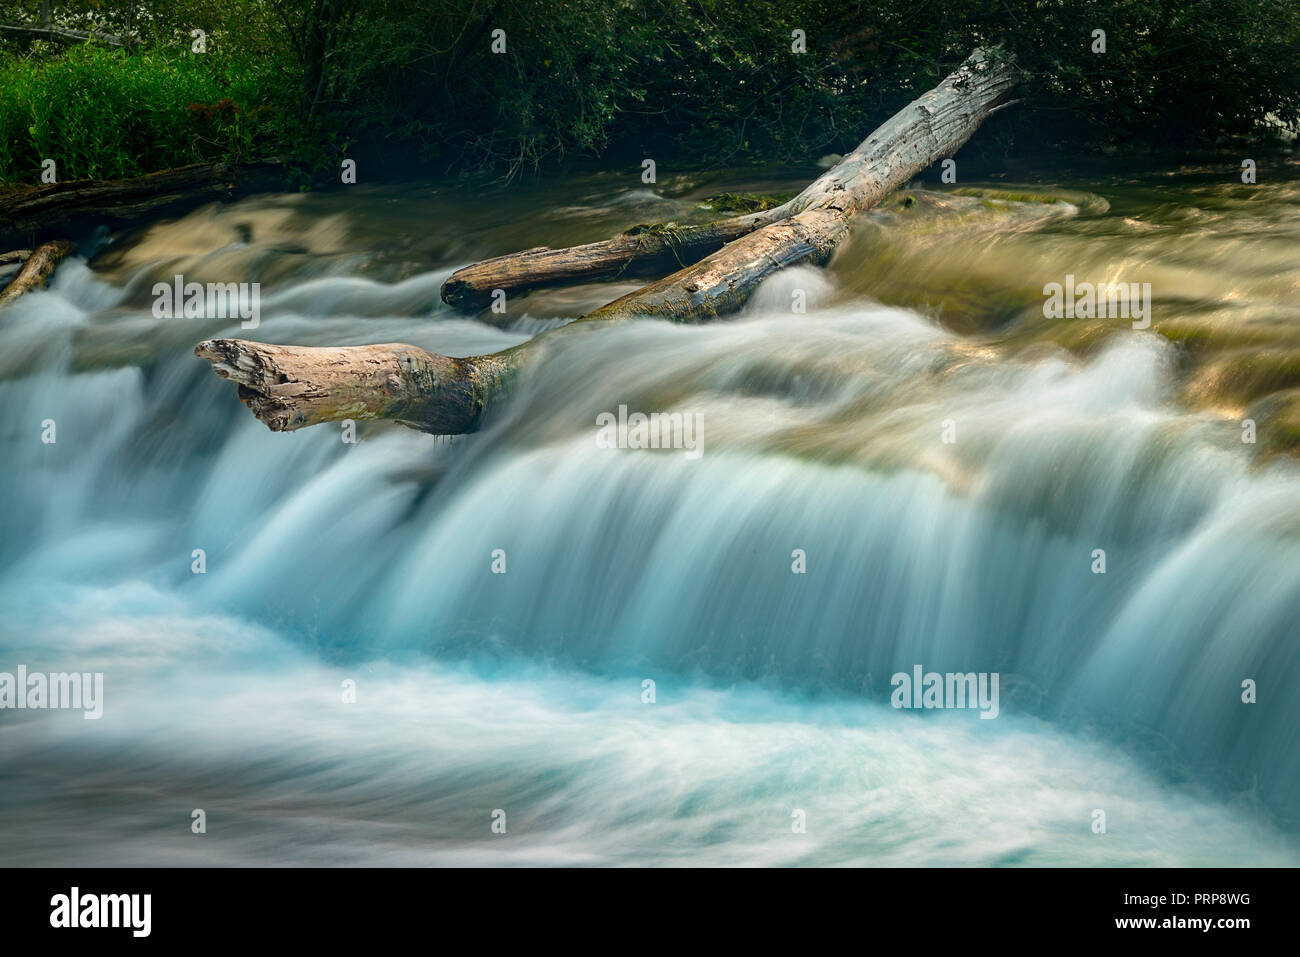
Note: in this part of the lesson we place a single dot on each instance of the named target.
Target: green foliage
(705, 82)
(716, 82)
(105, 114)
(425, 73)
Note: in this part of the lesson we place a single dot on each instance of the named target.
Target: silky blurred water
(822, 431)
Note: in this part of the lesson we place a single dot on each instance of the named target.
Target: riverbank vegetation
(707, 83)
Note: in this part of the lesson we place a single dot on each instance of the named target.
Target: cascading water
(820, 432)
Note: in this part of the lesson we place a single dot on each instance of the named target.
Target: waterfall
(501, 598)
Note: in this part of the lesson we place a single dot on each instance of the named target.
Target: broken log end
(292, 387)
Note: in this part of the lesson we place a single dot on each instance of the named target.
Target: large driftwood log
(934, 126)
(37, 213)
(926, 130)
(289, 387)
(36, 270)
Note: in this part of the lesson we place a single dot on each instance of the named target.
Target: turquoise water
(522, 692)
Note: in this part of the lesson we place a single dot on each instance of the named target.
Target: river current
(352, 680)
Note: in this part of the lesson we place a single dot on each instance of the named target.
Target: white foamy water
(220, 714)
(523, 692)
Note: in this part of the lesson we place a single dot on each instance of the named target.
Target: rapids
(329, 562)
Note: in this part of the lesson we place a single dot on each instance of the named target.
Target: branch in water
(928, 129)
(643, 250)
(36, 270)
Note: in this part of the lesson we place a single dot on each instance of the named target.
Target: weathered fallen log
(928, 129)
(66, 35)
(933, 126)
(288, 387)
(36, 270)
(721, 283)
(643, 250)
(34, 214)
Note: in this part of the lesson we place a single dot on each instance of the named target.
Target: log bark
(289, 387)
(934, 126)
(928, 129)
(34, 214)
(65, 35)
(641, 251)
(36, 270)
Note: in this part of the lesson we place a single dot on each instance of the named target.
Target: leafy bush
(102, 113)
(710, 82)
(717, 82)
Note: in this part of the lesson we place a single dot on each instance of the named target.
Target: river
(333, 568)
